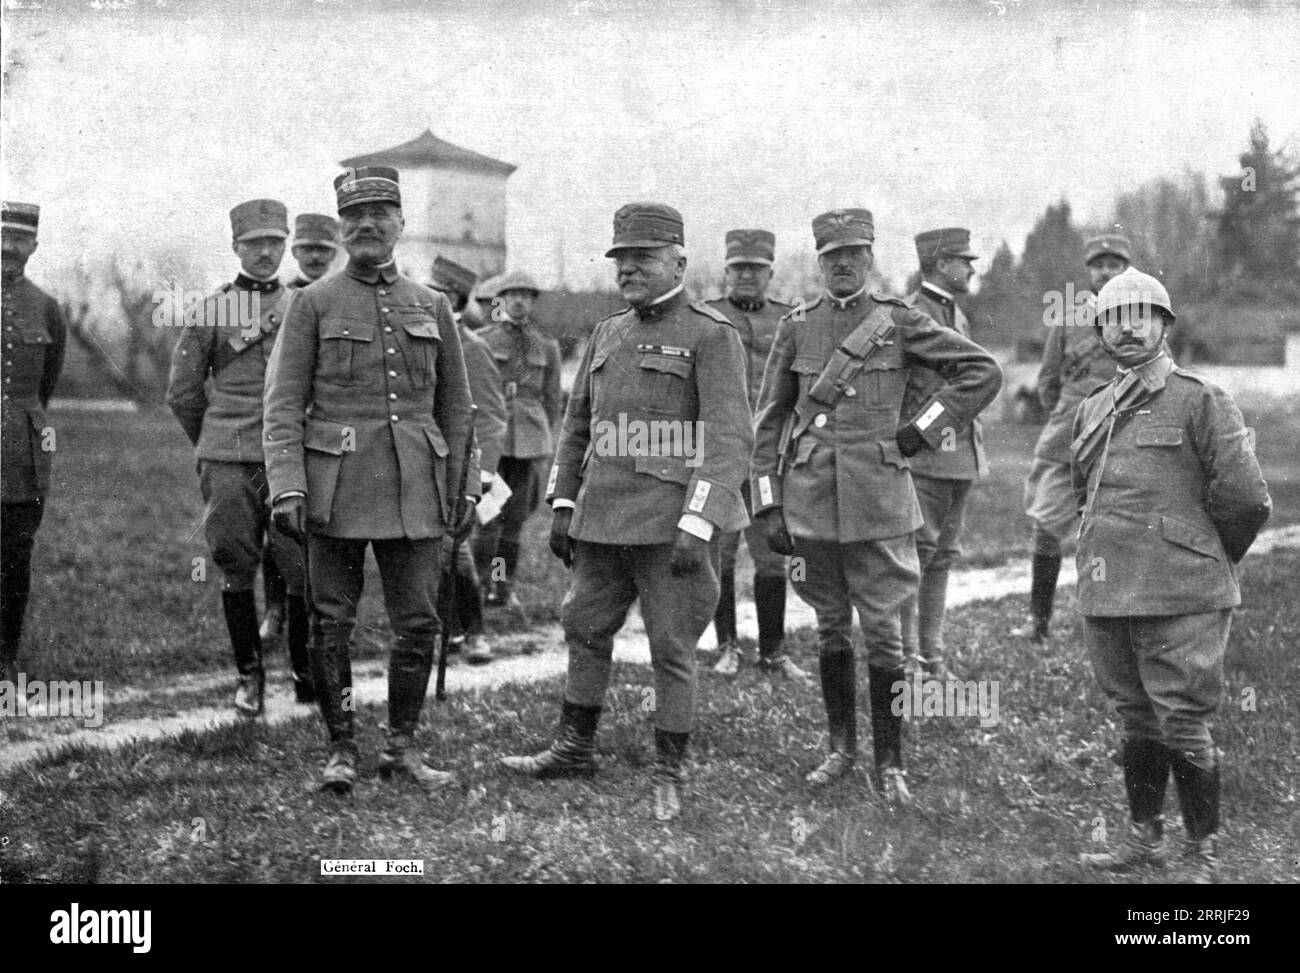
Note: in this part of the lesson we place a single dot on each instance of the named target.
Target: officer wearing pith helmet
(34, 341)
(368, 429)
(635, 509)
(218, 375)
(831, 473)
(1171, 497)
(1074, 363)
(750, 255)
(942, 477)
(466, 619)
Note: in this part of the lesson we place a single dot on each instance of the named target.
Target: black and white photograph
(590, 442)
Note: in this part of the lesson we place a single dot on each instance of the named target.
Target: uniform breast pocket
(421, 348)
(882, 381)
(1160, 436)
(344, 341)
(29, 350)
(664, 382)
(807, 368)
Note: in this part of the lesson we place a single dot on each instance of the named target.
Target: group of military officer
(846, 428)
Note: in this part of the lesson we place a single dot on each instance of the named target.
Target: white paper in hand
(489, 506)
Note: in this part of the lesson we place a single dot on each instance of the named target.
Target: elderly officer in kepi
(368, 431)
(34, 342)
(218, 375)
(466, 619)
(529, 364)
(942, 477)
(831, 473)
(1074, 363)
(750, 254)
(315, 244)
(1171, 497)
(634, 510)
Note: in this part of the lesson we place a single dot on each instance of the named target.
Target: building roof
(428, 150)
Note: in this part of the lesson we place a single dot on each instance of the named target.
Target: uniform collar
(246, 283)
(1152, 374)
(662, 304)
(751, 307)
(842, 303)
(302, 281)
(372, 275)
(938, 294)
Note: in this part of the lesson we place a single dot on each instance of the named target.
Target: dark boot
(670, 751)
(1146, 776)
(409, 666)
(299, 635)
(769, 601)
(331, 673)
(1045, 570)
(240, 610)
(573, 754)
(887, 735)
(274, 593)
(1198, 794)
(839, 691)
(724, 616)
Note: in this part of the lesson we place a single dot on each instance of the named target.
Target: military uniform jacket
(34, 342)
(529, 363)
(757, 330)
(966, 459)
(678, 362)
(1074, 364)
(485, 390)
(845, 479)
(1177, 481)
(218, 371)
(368, 407)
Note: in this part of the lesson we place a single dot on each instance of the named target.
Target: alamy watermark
(175, 307)
(926, 696)
(649, 437)
(61, 698)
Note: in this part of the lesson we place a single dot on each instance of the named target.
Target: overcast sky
(138, 125)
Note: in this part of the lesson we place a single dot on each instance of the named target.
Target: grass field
(114, 599)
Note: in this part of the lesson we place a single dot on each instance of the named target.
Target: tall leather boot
(240, 610)
(331, 673)
(769, 600)
(508, 551)
(1198, 794)
(409, 666)
(299, 635)
(1045, 569)
(887, 735)
(839, 691)
(274, 593)
(724, 625)
(1146, 777)
(572, 754)
(670, 751)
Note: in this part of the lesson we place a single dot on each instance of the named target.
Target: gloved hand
(690, 554)
(774, 530)
(910, 442)
(561, 542)
(462, 528)
(290, 517)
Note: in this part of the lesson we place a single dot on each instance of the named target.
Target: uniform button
(394, 418)
(850, 391)
(273, 319)
(386, 310)
(392, 374)
(247, 338)
(392, 395)
(388, 330)
(345, 330)
(820, 420)
(383, 292)
(392, 351)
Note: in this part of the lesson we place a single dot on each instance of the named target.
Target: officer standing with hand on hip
(942, 477)
(831, 473)
(35, 338)
(368, 420)
(635, 522)
(227, 342)
(1074, 363)
(750, 254)
(1171, 497)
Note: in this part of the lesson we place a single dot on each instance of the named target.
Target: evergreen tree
(1259, 229)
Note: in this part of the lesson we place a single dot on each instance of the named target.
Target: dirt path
(40, 735)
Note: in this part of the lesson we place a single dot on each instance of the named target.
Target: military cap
(843, 228)
(1111, 243)
(648, 225)
(1131, 287)
(750, 247)
(951, 241)
(317, 229)
(453, 277)
(367, 184)
(259, 218)
(23, 217)
(516, 280)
